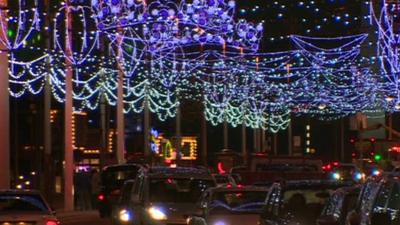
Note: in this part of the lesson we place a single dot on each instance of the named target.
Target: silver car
(25, 207)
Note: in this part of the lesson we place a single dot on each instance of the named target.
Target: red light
(329, 167)
(352, 141)
(221, 168)
(101, 197)
(229, 185)
(170, 181)
(372, 140)
(52, 222)
(353, 155)
(336, 164)
(240, 186)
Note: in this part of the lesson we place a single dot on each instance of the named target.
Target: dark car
(339, 204)
(297, 202)
(378, 203)
(231, 206)
(25, 207)
(112, 179)
(163, 195)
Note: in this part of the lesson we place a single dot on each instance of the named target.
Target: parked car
(112, 179)
(25, 207)
(297, 202)
(163, 195)
(379, 203)
(231, 206)
(339, 204)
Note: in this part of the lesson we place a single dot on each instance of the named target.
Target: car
(224, 180)
(339, 204)
(25, 207)
(297, 202)
(231, 206)
(112, 179)
(165, 195)
(379, 202)
(347, 172)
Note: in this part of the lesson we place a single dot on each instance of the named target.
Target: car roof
(122, 166)
(241, 189)
(179, 172)
(313, 184)
(19, 191)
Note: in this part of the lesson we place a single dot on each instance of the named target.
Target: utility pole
(68, 149)
(120, 104)
(5, 112)
(226, 135)
(146, 129)
(204, 139)
(48, 181)
(178, 133)
(244, 144)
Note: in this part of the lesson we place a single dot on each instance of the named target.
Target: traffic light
(378, 157)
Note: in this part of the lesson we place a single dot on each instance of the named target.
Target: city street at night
(200, 112)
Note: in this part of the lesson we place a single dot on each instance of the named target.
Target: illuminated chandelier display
(167, 49)
(388, 49)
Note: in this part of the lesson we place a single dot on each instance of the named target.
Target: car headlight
(125, 215)
(220, 223)
(336, 176)
(156, 213)
(376, 172)
(359, 176)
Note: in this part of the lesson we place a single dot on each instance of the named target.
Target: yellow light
(19, 186)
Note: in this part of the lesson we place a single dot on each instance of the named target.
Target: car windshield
(221, 179)
(239, 200)
(172, 190)
(306, 203)
(25, 203)
(114, 177)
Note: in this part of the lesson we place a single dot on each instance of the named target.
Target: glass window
(177, 190)
(394, 201)
(114, 177)
(25, 203)
(240, 200)
(383, 197)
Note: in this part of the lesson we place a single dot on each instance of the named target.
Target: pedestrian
(95, 184)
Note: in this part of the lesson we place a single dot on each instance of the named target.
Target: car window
(394, 201)
(273, 202)
(126, 192)
(114, 177)
(239, 200)
(25, 203)
(383, 197)
(334, 205)
(172, 190)
(366, 201)
(221, 179)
